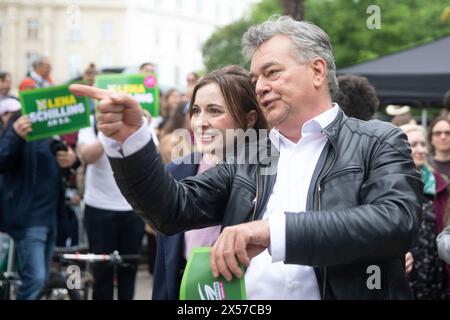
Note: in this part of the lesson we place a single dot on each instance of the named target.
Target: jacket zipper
(341, 173)
(324, 284)
(255, 202)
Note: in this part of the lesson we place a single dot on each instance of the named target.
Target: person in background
(400, 115)
(428, 278)
(89, 78)
(110, 222)
(147, 68)
(439, 135)
(357, 97)
(446, 106)
(191, 81)
(39, 76)
(5, 84)
(31, 202)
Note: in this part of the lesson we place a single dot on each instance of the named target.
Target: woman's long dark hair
(238, 93)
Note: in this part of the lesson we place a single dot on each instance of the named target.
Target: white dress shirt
(268, 277)
(294, 172)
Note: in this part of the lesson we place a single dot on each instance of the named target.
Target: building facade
(113, 33)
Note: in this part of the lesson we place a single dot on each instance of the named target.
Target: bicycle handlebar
(91, 257)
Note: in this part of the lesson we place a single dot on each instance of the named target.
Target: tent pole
(424, 118)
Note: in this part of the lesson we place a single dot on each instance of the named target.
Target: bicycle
(9, 279)
(79, 283)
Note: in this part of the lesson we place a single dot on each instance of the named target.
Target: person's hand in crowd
(22, 126)
(118, 115)
(243, 241)
(409, 261)
(75, 200)
(66, 159)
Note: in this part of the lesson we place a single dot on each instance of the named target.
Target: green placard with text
(198, 282)
(143, 88)
(54, 111)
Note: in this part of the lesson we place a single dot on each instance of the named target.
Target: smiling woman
(222, 100)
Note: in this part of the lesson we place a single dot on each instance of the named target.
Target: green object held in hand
(198, 282)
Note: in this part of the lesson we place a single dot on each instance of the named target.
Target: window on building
(177, 75)
(217, 9)
(107, 31)
(156, 37)
(179, 5)
(199, 7)
(106, 60)
(178, 40)
(32, 29)
(75, 33)
(74, 64)
(199, 42)
(230, 13)
(29, 57)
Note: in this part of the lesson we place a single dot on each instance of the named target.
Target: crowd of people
(322, 192)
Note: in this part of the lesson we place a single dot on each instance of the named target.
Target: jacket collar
(441, 182)
(332, 130)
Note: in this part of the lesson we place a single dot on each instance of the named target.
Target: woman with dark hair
(5, 84)
(223, 99)
(439, 135)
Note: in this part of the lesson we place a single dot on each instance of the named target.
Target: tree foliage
(224, 46)
(294, 8)
(404, 24)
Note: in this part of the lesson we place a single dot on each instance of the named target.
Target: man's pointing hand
(118, 115)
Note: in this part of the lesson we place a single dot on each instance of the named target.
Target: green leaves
(404, 24)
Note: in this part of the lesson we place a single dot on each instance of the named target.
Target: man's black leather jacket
(363, 206)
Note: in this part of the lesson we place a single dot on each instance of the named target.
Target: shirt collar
(36, 77)
(314, 125)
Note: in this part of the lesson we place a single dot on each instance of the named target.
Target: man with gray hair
(340, 208)
(39, 76)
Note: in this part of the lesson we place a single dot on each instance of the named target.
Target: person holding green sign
(326, 211)
(30, 203)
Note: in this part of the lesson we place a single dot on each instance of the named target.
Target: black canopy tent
(419, 76)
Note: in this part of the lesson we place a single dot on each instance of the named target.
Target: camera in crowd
(57, 145)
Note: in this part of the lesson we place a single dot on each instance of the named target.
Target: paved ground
(144, 283)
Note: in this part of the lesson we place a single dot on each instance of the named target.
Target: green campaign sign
(54, 111)
(198, 282)
(143, 88)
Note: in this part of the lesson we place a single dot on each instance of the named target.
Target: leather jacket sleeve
(383, 226)
(168, 205)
